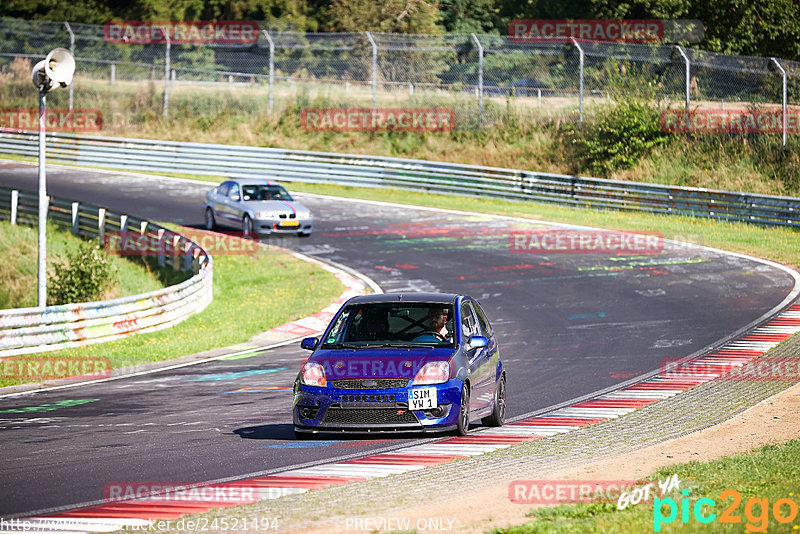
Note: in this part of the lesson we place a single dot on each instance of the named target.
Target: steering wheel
(432, 333)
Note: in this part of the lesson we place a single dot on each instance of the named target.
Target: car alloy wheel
(247, 228)
(498, 415)
(211, 223)
(462, 427)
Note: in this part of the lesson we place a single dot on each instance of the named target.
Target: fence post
(71, 51)
(480, 77)
(374, 70)
(271, 68)
(166, 73)
(580, 81)
(688, 74)
(14, 205)
(783, 97)
(113, 73)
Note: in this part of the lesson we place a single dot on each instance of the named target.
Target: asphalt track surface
(568, 325)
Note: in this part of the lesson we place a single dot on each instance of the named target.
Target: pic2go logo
(756, 511)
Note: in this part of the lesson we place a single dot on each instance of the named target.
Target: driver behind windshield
(437, 326)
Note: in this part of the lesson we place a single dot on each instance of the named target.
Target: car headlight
(265, 215)
(432, 373)
(306, 215)
(313, 375)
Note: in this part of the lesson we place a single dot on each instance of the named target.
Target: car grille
(380, 383)
(337, 415)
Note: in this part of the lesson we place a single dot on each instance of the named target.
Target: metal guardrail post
(166, 73)
(271, 68)
(101, 223)
(784, 95)
(374, 70)
(687, 75)
(580, 81)
(14, 205)
(480, 77)
(71, 51)
(76, 206)
(161, 259)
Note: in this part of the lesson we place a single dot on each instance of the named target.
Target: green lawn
(18, 270)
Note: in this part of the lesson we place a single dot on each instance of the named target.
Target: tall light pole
(56, 69)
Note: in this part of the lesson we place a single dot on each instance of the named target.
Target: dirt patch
(774, 420)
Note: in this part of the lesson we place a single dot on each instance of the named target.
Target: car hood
(279, 206)
(377, 363)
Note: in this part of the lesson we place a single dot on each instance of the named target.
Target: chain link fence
(480, 77)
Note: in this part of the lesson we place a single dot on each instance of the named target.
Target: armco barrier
(28, 330)
(420, 175)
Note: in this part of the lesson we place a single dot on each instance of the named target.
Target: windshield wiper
(342, 346)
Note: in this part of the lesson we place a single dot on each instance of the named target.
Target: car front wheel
(462, 426)
(498, 415)
(211, 223)
(248, 231)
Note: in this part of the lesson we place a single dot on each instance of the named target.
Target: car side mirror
(235, 197)
(477, 342)
(309, 343)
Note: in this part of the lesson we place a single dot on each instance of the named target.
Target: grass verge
(18, 248)
(252, 293)
(760, 479)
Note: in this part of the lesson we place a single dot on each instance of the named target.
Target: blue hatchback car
(402, 362)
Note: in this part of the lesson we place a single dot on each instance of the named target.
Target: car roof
(438, 298)
(252, 181)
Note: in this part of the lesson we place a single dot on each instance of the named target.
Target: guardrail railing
(377, 171)
(29, 330)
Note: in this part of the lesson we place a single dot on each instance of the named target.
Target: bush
(83, 276)
(616, 138)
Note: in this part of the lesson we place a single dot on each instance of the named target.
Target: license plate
(290, 223)
(421, 398)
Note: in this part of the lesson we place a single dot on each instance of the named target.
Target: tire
(498, 415)
(462, 426)
(211, 222)
(248, 231)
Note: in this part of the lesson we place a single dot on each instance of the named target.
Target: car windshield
(394, 324)
(265, 192)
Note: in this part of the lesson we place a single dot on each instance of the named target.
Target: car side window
(486, 328)
(223, 189)
(469, 326)
(234, 191)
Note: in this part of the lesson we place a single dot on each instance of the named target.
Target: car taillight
(432, 373)
(313, 375)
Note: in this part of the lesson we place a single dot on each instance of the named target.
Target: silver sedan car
(258, 207)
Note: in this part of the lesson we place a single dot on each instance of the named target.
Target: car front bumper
(318, 409)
